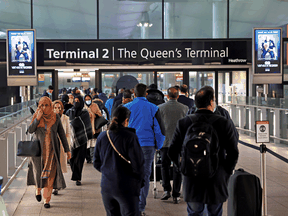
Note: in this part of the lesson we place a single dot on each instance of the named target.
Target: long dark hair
(119, 115)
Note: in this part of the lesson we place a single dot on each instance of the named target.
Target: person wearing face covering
(90, 144)
(65, 101)
(82, 132)
(45, 171)
(94, 111)
(58, 108)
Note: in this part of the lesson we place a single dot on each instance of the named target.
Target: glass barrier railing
(16, 107)
(260, 101)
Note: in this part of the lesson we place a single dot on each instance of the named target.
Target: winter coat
(171, 112)
(35, 163)
(108, 105)
(103, 97)
(143, 114)
(155, 96)
(118, 176)
(213, 190)
(63, 155)
(186, 101)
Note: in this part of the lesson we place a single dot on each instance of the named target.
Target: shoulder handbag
(99, 122)
(107, 132)
(29, 148)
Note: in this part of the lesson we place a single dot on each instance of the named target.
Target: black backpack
(200, 148)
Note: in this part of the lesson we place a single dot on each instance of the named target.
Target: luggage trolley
(157, 175)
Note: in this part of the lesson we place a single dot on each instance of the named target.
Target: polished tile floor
(86, 199)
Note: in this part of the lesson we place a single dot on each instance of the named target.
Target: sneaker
(55, 192)
(166, 195)
(176, 200)
(142, 213)
(46, 205)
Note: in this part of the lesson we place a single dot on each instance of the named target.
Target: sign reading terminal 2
(155, 52)
(144, 53)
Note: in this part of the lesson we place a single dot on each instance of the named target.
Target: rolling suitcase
(245, 194)
(156, 172)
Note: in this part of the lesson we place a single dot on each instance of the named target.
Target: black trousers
(121, 205)
(77, 161)
(177, 176)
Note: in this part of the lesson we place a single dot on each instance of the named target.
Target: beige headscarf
(47, 120)
(94, 111)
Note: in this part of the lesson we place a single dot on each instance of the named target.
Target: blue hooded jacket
(142, 115)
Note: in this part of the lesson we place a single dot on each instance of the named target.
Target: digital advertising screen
(267, 51)
(21, 52)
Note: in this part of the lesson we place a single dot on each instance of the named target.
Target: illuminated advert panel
(267, 53)
(21, 53)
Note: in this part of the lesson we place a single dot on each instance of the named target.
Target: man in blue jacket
(146, 119)
(109, 103)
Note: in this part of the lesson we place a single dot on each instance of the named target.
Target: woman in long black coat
(122, 177)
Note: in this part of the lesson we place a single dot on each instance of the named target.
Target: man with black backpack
(207, 146)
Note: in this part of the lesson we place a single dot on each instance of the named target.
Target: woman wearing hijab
(82, 132)
(122, 176)
(94, 111)
(45, 171)
(67, 101)
(58, 108)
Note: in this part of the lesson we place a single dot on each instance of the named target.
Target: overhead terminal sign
(147, 52)
(267, 49)
(262, 132)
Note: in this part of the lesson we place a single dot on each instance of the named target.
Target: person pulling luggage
(209, 154)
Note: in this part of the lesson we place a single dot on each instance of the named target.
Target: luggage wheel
(155, 193)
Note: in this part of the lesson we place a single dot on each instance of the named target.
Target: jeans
(197, 209)
(120, 205)
(177, 177)
(148, 152)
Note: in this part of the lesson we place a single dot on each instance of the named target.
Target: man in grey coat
(171, 112)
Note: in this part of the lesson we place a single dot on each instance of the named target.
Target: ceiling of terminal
(77, 19)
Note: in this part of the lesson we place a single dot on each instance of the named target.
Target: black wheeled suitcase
(245, 194)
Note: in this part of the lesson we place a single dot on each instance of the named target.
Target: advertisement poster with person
(21, 52)
(267, 50)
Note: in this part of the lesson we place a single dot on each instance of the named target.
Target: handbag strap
(107, 132)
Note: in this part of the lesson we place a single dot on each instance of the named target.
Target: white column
(219, 20)
(252, 119)
(276, 125)
(18, 131)
(11, 153)
(24, 129)
(4, 159)
(263, 114)
(169, 19)
(241, 117)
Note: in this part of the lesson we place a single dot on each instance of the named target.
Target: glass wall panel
(130, 19)
(166, 80)
(239, 81)
(245, 15)
(44, 80)
(65, 19)
(200, 79)
(14, 14)
(223, 87)
(109, 81)
(195, 19)
(146, 78)
(66, 80)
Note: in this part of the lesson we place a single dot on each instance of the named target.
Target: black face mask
(77, 105)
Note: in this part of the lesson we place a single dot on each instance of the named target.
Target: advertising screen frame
(33, 53)
(254, 60)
